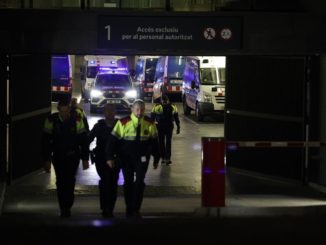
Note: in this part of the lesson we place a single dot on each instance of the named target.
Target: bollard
(213, 172)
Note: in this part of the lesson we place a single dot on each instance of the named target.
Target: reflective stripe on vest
(127, 131)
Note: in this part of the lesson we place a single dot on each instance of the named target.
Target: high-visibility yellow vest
(158, 109)
(49, 124)
(126, 128)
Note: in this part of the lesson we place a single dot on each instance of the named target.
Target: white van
(94, 64)
(204, 86)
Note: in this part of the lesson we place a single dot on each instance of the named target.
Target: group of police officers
(125, 144)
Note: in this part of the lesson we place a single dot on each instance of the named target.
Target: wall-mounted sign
(170, 32)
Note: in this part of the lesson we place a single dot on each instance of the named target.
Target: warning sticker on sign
(226, 33)
(209, 33)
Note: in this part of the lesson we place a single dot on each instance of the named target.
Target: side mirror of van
(193, 84)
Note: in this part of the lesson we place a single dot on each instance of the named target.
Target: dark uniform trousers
(108, 183)
(164, 139)
(108, 176)
(65, 167)
(134, 187)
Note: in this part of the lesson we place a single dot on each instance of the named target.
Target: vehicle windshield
(150, 69)
(176, 66)
(120, 80)
(92, 71)
(208, 76)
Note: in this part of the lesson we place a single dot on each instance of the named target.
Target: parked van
(144, 75)
(204, 86)
(93, 63)
(169, 76)
(61, 76)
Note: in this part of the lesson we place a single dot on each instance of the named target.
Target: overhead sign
(169, 32)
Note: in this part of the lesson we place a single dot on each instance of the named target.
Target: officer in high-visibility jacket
(165, 114)
(76, 110)
(64, 142)
(136, 140)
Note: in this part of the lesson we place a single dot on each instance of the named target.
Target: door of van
(160, 72)
(174, 74)
(191, 79)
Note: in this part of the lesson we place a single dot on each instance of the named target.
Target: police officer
(135, 141)
(64, 142)
(165, 114)
(76, 110)
(108, 176)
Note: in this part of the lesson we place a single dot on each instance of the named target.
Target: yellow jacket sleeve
(117, 131)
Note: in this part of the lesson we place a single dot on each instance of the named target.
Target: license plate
(175, 82)
(113, 101)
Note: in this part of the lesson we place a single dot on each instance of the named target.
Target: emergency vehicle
(114, 86)
(204, 86)
(169, 76)
(144, 75)
(93, 63)
(61, 76)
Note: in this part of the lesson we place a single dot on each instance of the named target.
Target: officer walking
(64, 142)
(136, 138)
(76, 110)
(108, 176)
(165, 114)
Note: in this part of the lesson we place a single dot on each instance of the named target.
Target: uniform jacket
(103, 135)
(77, 111)
(64, 138)
(165, 115)
(128, 146)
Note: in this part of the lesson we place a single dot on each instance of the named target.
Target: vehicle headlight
(131, 94)
(96, 93)
(207, 97)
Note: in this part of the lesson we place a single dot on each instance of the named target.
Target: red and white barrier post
(213, 172)
(213, 167)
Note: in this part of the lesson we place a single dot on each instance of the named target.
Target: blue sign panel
(170, 32)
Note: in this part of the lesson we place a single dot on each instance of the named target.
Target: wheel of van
(199, 116)
(186, 108)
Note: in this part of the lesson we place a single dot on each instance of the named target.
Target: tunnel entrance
(144, 78)
(257, 106)
(255, 110)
